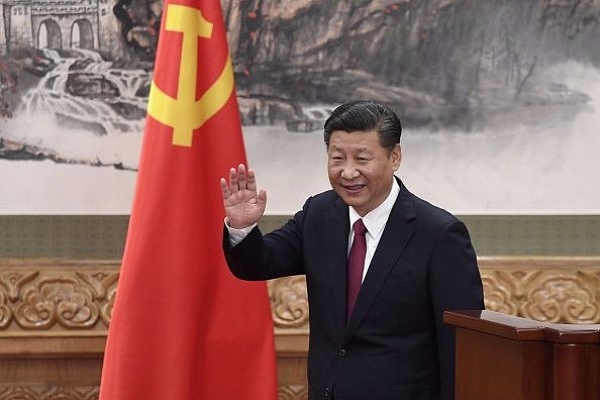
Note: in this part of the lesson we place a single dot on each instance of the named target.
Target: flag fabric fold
(182, 327)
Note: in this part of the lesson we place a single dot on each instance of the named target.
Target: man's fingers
(262, 195)
(241, 177)
(225, 189)
(233, 180)
(251, 183)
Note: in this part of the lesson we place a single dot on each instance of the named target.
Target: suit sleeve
(455, 284)
(273, 255)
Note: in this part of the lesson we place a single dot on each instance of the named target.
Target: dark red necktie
(356, 264)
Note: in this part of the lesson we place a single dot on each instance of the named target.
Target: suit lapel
(338, 229)
(396, 235)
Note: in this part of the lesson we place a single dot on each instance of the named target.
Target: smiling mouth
(354, 189)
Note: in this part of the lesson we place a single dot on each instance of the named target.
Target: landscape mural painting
(500, 100)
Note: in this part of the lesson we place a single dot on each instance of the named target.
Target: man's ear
(396, 156)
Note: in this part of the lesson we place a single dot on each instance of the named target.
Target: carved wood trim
(50, 296)
(54, 310)
(552, 289)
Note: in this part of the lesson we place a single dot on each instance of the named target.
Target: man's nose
(349, 171)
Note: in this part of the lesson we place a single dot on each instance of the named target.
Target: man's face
(360, 170)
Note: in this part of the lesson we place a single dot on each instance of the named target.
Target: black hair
(365, 115)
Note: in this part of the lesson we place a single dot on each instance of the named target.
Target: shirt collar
(376, 219)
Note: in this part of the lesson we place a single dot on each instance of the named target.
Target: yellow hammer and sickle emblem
(184, 113)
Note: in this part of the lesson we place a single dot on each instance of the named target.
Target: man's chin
(352, 201)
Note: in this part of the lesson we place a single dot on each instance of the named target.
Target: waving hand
(244, 205)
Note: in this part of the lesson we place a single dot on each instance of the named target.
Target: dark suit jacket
(395, 346)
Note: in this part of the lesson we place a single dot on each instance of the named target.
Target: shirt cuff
(237, 235)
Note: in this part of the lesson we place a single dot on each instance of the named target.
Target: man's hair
(365, 115)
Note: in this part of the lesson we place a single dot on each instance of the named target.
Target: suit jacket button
(327, 392)
(342, 352)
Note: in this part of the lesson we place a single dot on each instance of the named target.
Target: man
(389, 343)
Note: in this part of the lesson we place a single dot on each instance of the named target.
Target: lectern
(503, 357)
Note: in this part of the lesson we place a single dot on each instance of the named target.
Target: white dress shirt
(375, 222)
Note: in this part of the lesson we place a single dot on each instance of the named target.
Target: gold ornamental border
(58, 296)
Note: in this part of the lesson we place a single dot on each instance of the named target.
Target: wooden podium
(503, 357)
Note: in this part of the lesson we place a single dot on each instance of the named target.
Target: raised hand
(244, 205)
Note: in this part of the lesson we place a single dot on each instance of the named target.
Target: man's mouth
(353, 189)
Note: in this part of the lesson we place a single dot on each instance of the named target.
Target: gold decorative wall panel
(54, 316)
(545, 289)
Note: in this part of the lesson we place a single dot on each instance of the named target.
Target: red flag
(183, 327)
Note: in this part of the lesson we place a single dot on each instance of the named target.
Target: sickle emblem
(184, 113)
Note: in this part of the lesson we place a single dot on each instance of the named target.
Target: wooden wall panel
(54, 316)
